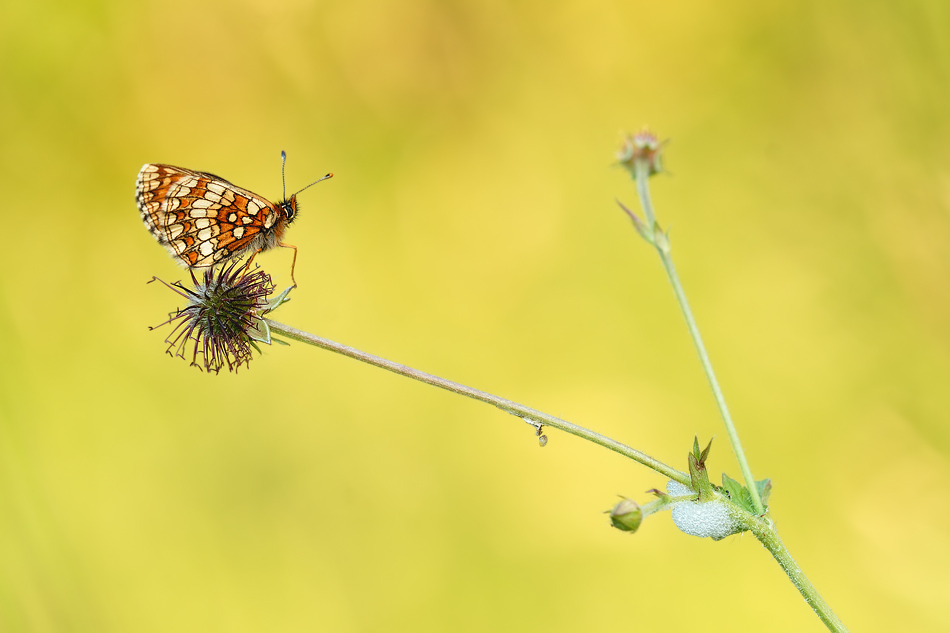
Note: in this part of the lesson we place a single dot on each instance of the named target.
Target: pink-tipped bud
(644, 146)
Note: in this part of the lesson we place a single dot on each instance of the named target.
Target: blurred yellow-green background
(471, 231)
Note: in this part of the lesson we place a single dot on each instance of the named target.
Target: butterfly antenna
(315, 182)
(283, 177)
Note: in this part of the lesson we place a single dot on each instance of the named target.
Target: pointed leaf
(260, 332)
(705, 453)
(764, 487)
(638, 224)
(279, 300)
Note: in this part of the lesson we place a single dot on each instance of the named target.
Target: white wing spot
(238, 232)
(206, 248)
(253, 207)
(200, 213)
(215, 187)
(203, 223)
(232, 217)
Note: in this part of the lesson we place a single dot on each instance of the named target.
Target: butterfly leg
(247, 266)
(292, 263)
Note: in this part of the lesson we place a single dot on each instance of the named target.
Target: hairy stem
(662, 247)
(764, 530)
(507, 406)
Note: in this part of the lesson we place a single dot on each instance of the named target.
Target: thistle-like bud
(644, 146)
(225, 307)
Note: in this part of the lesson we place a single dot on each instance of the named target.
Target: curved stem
(507, 406)
(662, 247)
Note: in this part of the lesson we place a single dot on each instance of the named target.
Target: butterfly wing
(200, 218)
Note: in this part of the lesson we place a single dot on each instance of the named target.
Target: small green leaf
(764, 487)
(260, 332)
(739, 494)
(279, 300)
(732, 486)
(705, 452)
(696, 452)
(638, 224)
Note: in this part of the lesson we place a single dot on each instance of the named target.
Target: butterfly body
(203, 219)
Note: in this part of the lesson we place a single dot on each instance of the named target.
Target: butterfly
(204, 220)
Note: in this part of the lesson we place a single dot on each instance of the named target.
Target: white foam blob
(711, 518)
(676, 489)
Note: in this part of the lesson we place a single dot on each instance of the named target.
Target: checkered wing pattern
(200, 218)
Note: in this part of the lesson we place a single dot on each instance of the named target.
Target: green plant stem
(764, 530)
(762, 527)
(642, 175)
(507, 406)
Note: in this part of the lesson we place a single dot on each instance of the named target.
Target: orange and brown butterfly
(204, 220)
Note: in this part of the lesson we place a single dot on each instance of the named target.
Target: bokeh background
(471, 231)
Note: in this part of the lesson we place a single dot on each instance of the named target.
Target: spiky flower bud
(225, 305)
(643, 146)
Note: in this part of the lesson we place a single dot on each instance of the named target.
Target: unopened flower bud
(626, 516)
(643, 146)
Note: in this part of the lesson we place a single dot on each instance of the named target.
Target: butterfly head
(289, 208)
